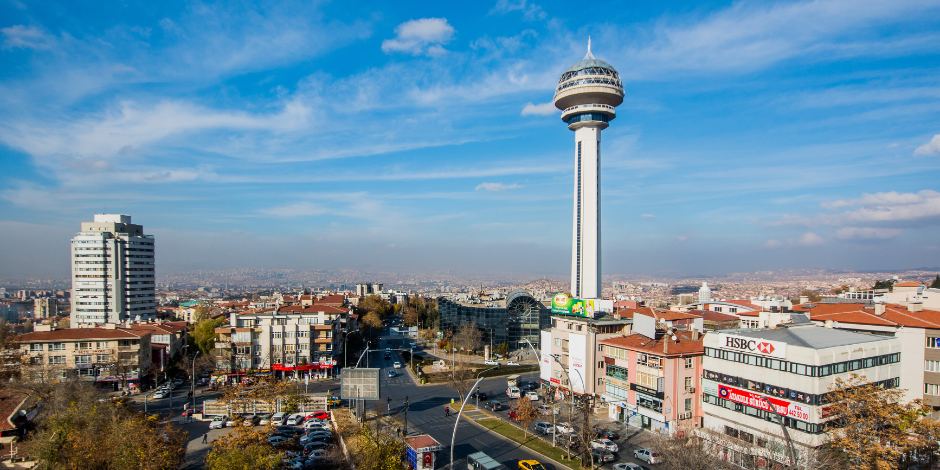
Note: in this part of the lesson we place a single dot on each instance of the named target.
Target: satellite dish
(835, 324)
(674, 338)
(662, 320)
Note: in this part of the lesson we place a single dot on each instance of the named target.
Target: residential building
(45, 307)
(103, 355)
(112, 272)
(571, 360)
(363, 290)
(293, 340)
(918, 329)
(653, 382)
(704, 293)
(791, 368)
(167, 341)
(513, 320)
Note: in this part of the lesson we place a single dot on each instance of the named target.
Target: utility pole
(405, 433)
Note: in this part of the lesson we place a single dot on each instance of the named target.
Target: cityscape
(232, 239)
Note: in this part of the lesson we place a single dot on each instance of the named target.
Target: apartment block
(571, 358)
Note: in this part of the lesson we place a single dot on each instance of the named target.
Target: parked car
(278, 440)
(533, 396)
(491, 362)
(397, 365)
(295, 419)
(493, 405)
(218, 422)
(605, 444)
(317, 444)
(278, 419)
(232, 420)
(315, 423)
(306, 438)
(513, 363)
(544, 428)
(546, 410)
(629, 466)
(160, 394)
(528, 386)
(265, 419)
(530, 465)
(288, 430)
(564, 428)
(648, 456)
(251, 420)
(514, 414)
(391, 374)
(321, 415)
(601, 455)
(607, 434)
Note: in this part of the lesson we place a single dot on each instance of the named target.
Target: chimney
(694, 334)
(804, 299)
(915, 306)
(617, 315)
(828, 323)
(879, 309)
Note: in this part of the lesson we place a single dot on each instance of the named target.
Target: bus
(481, 461)
(512, 381)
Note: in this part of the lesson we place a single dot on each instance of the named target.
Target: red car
(513, 414)
(322, 415)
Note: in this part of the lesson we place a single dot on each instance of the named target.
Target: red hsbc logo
(765, 348)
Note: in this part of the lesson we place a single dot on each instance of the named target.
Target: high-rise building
(112, 272)
(704, 293)
(587, 94)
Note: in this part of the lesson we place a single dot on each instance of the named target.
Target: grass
(532, 442)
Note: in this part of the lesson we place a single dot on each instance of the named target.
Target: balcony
(223, 345)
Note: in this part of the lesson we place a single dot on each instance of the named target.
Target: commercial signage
(760, 347)
(545, 362)
(565, 304)
(793, 410)
(577, 347)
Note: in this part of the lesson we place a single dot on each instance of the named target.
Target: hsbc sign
(760, 347)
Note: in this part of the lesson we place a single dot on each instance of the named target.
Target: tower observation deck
(587, 94)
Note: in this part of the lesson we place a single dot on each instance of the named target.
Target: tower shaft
(586, 230)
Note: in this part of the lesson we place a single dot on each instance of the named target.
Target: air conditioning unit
(690, 389)
(685, 416)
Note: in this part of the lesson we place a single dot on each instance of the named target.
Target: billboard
(545, 363)
(744, 344)
(360, 384)
(756, 400)
(577, 347)
(565, 304)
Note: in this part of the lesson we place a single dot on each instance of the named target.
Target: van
(513, 392)
(278, 419)
(481, 461)
(512, 381)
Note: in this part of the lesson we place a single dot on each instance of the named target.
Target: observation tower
(586, 95)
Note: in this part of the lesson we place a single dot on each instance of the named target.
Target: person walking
(446, 411)
(205, 438)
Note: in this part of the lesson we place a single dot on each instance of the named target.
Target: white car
(605, 444)
(491, 362)
(397, 365)
(648, 456)
(564, 428)
(629, 466)
(295, 420)
(533, 396)
(160, 394)
(512, 363)
(315, 423)
(217, 422)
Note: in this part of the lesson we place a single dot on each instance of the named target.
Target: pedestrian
(205, 438)
(446, 411)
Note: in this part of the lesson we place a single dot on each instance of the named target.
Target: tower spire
(589, 55)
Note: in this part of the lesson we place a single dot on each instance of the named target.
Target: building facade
(570, 357)
(112, 272)
(653, 382)
(513, 320)
(750, 375)
(45, 307)
(104, 355)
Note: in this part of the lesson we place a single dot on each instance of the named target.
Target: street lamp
(193, 380)
(786, 433)
(463, 404)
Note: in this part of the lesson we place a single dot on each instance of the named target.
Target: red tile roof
(683, 347)
(895, 315)
(312, 309)
(908, 284)
(336, 299)
(79, 333)
(656, 313)
(711, 315)
(10, 402)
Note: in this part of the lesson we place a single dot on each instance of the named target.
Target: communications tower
(587, 94)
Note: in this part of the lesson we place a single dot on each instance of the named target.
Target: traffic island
(532, 442)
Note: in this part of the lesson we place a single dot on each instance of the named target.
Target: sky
(417, 136)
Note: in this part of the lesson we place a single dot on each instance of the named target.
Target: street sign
(362, 384)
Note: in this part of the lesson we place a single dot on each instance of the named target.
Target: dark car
(478, 395)
(528, 386)
(493, 405)
(601, 455)
(288, 430)
(608, 434)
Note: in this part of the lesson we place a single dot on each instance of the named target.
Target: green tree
(812, 295)
(889, 284)
(378, 450)
(200, 313)
(204, 334)
(502, 349)
(936, 283)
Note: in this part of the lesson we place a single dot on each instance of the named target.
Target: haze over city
(378, 137)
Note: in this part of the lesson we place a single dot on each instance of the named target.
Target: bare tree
(468, 337)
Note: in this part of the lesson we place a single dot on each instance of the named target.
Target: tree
(889, 284)
(875, 430)
(527, 412)
(502, 349)
(840, 289)
(244, 447)
(812, 295)
(371, 320)
(468, 337)
(374, 304)
(378, 450)
(936, 283)
(200, 313)
(204, 334)
(410, 316)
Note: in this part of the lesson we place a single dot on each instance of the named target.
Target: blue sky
(418, 136)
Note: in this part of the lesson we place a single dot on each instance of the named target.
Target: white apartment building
(293, 340)
(792, 368)
(572, 340)
(112, 272)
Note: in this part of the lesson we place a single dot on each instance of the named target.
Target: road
(426, 414)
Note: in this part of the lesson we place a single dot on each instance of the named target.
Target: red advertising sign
(555, 381)
(759, 401)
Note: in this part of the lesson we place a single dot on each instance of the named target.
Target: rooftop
(864, 314)
(80, 333)
(808, 336)
(684, 346)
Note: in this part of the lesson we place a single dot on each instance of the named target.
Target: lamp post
(457, 422)
(193, 380)
(786, 433)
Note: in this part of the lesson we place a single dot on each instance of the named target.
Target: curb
(557, 464)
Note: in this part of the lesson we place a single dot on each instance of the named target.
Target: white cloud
(885, 208)
(930, 148)
(496, 186)
(543, 109)
(26, 37)
(530, 11)
(846, 233)
(647, 216)
(299, 209)
(773, 243)
(421, 36)
(810, 239)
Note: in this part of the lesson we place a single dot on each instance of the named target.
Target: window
(57, 346)
(303, 334)
(304, 346)
(84, 346)
(619, 393)
(83, 359)
(618, 372)
(578, 327)
(932, 389)
(933, 343)
(932, 366)
(647, 380)
(719, 309)
(102, 358)
(289, 334)
(288, 348)
(101, 345)
(56, 359)
(275, 335)
(616, 353)
(649, 360)
(557, 341)
(688, 383)
(689, 362)
(35, 347)
(688, 404)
